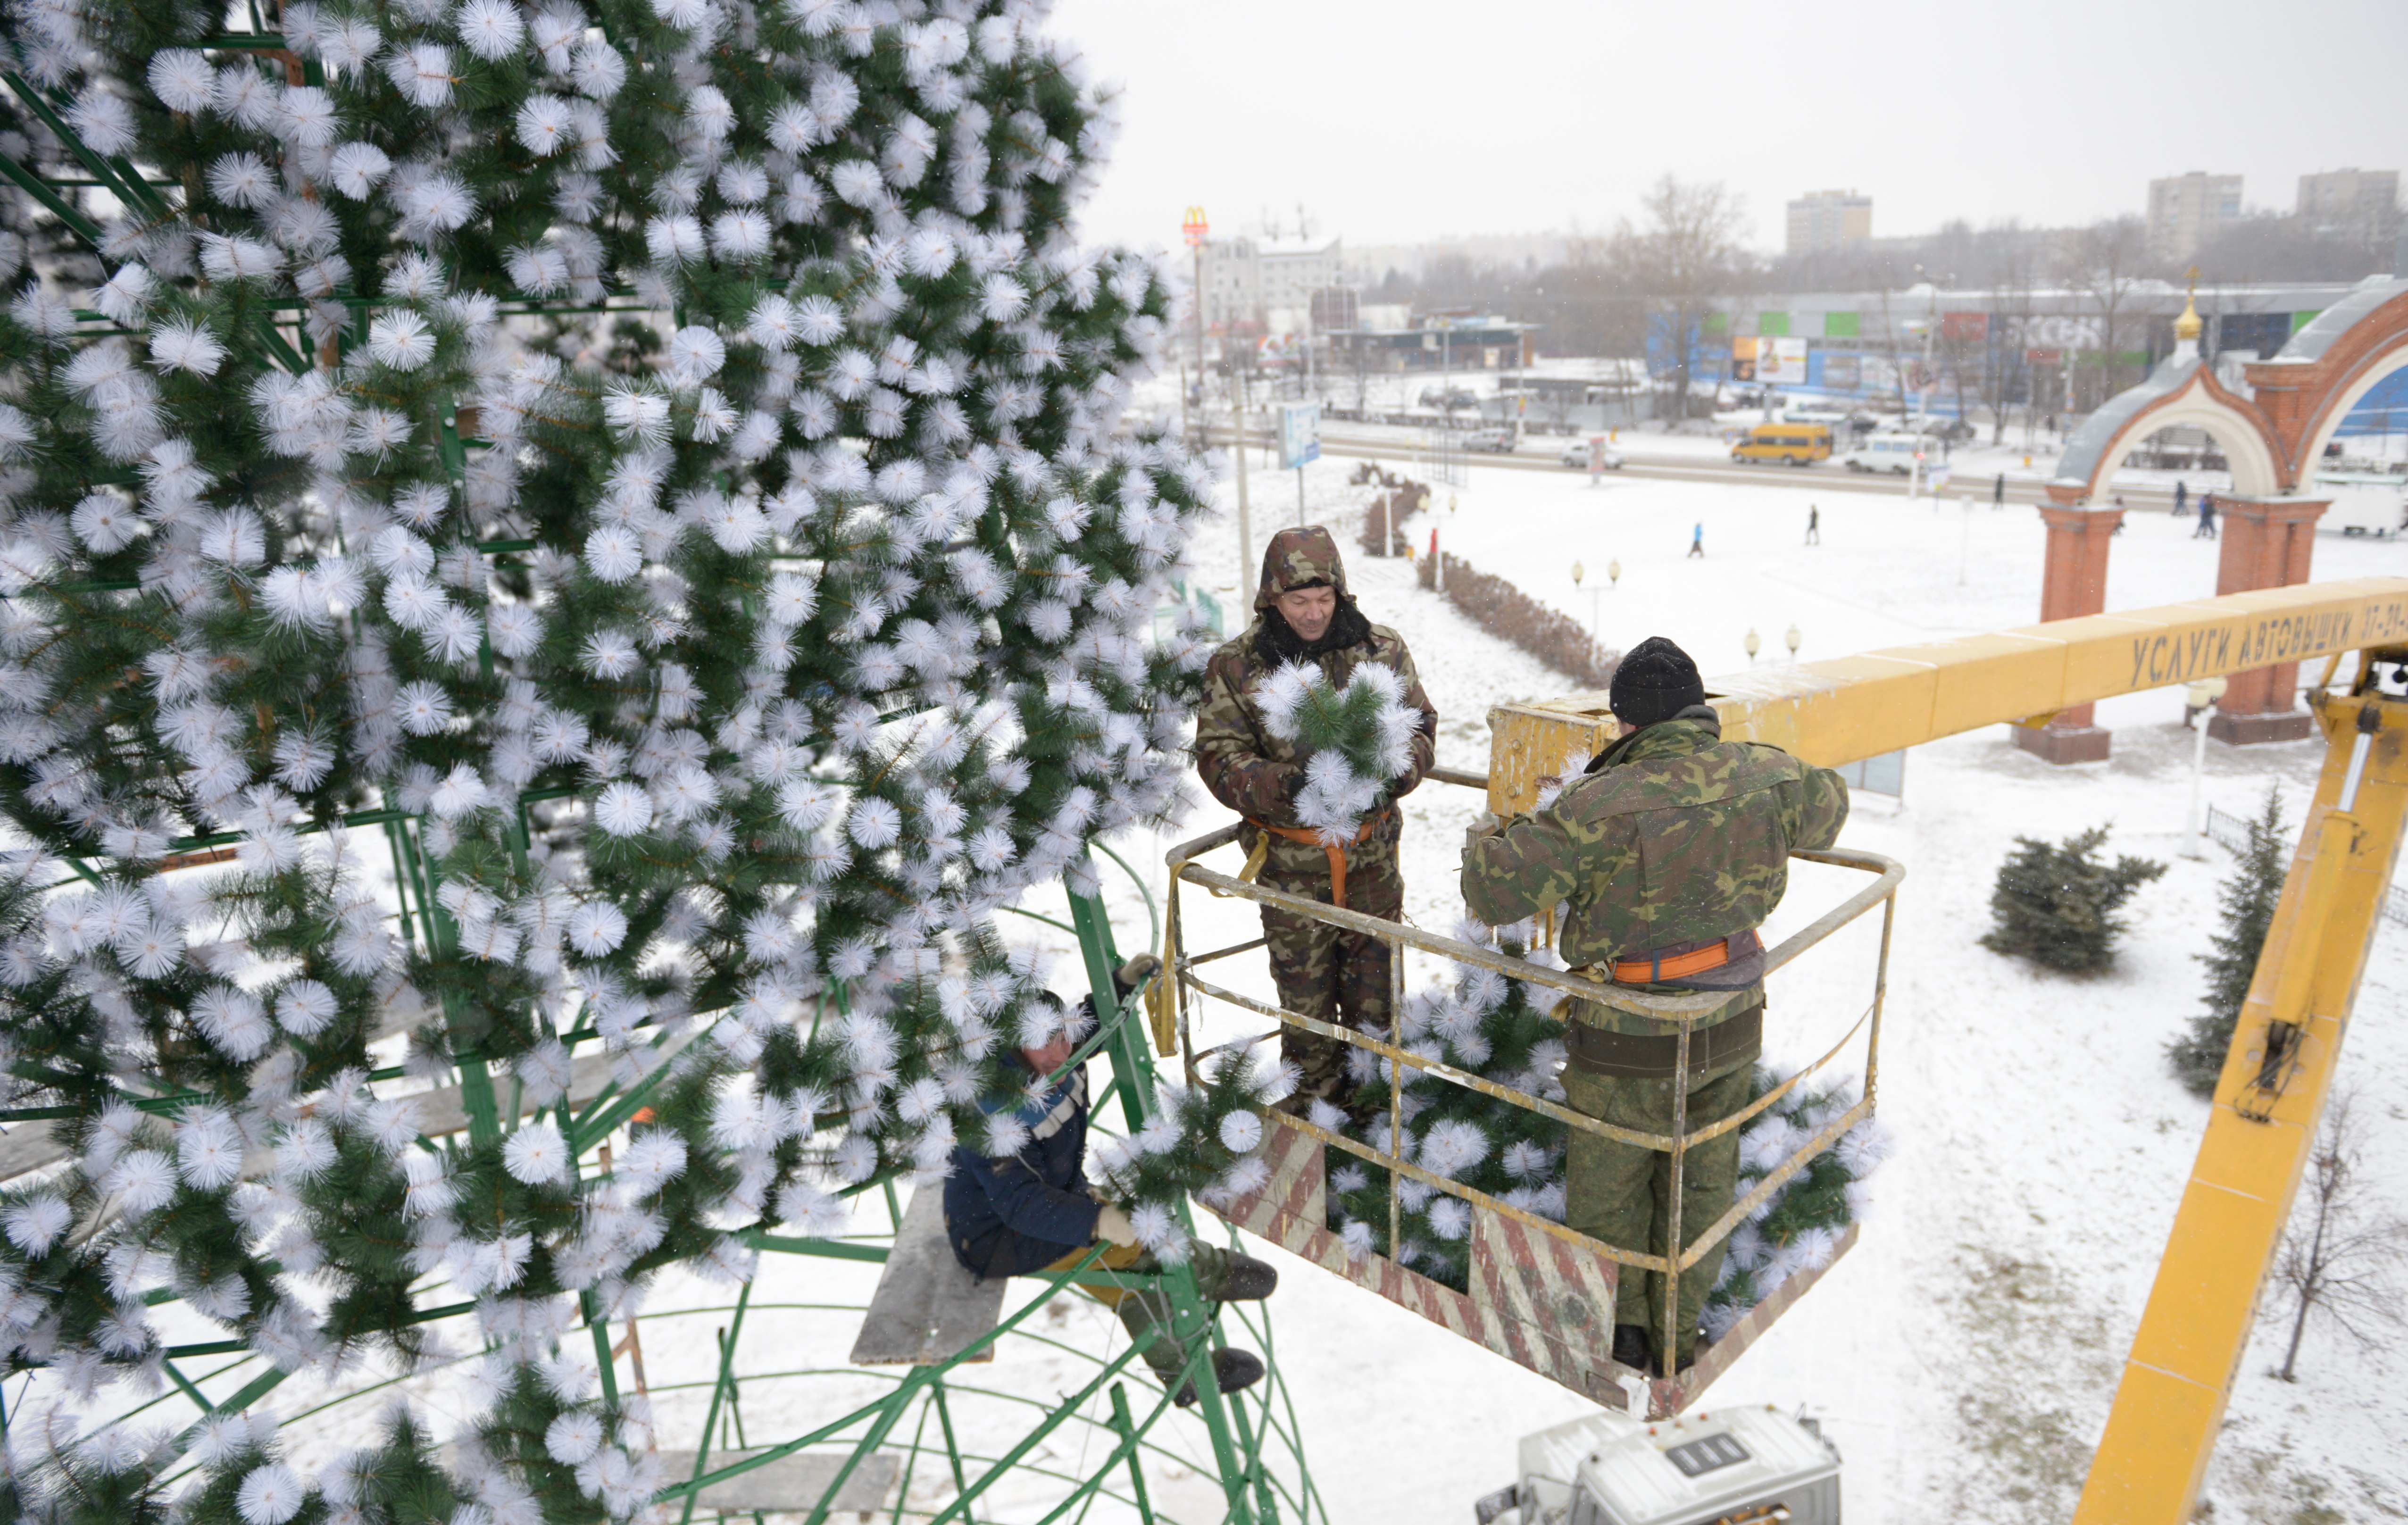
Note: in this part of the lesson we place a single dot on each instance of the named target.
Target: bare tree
(2011, 314)
(2342, 1256)
(2104, 262)
(1683, 255)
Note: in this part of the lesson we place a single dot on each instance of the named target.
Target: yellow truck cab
(1791, 444)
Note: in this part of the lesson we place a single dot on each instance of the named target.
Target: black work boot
(1232, 1371)
(1230, 1277)
(1630, 1348)
(1242, 1279)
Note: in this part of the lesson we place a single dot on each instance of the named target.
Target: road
(1824, 477)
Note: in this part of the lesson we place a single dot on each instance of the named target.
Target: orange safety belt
(1650, 969)
(1305, 834)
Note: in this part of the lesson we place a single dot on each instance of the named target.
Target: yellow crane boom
(1849, 708)
(2270, 1098)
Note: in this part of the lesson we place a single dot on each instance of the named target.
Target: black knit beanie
(1655, 681)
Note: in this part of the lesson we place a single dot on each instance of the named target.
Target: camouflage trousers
(1328, 974)
(1621, 1194)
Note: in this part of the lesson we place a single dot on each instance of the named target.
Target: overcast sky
(1401, 121)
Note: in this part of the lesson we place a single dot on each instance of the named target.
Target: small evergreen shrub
(2055, 903)
(2246, 904)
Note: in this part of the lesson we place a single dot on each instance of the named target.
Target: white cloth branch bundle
(1798, 1228)
(1358, 739)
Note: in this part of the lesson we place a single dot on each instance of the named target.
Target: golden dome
(2189, 324)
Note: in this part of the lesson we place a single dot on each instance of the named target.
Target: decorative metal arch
(2182, 390)
(2331, 363)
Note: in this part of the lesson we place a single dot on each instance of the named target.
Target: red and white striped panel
(1538, 1300)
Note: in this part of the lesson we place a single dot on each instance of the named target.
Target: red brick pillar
(2074, 584)
(2267, 543)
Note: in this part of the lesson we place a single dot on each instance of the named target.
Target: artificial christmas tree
(660, 465)
(1357, 740)
(1800, 1226)
(1488, 1025)
(1485, 1024)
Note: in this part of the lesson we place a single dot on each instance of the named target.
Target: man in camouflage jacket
(1664, 856)
(1303, 612)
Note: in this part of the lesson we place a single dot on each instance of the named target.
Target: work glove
(1113, 1227)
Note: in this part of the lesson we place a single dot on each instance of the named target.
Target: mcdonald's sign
(1194, 227)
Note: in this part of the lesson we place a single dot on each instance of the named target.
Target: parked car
(1790, 444)
(1496, 442)
(1438, 397)
(1891, 450)
(1576, 457)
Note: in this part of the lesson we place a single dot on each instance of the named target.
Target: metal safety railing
(1678, 1015)
(2231, 833)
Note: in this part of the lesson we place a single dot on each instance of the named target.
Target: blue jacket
(1011, 1215)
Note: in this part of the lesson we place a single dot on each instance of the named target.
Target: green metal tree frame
(1244, 1428)
(1246, 1431)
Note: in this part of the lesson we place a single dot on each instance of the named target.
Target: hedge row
(1384, 518)
(1556, 639)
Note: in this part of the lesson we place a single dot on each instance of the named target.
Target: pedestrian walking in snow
(1666, 854)
(2182, 499)
(2206, 517)
(1814, 525)
(1696, 542)
(2118, 503)
(1998, 491)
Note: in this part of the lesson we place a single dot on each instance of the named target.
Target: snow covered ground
(1965, 1354)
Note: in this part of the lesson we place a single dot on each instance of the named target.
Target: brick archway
(2341, 354)
(2183, 389)
(2273, 438)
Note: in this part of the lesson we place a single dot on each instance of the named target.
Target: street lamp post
(1930, 327)
(1596, 612)
(1793, 640)
(2200, 695)
(1614, 573)
(1196, 228)
(1755, 643)
(1439, 571)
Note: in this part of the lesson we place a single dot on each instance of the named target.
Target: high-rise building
(1822, 222)
(2186, 210)
(1266, 285)
(2359, 204)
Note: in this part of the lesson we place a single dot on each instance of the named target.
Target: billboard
(1299, 434)
(1781, 362)
(1964, 327)
(1774, 361)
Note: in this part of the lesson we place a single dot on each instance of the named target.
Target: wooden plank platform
(27, 1147)
(928, 1308)
(790, 1485)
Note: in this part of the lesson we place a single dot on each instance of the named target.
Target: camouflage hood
(1295, 558)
